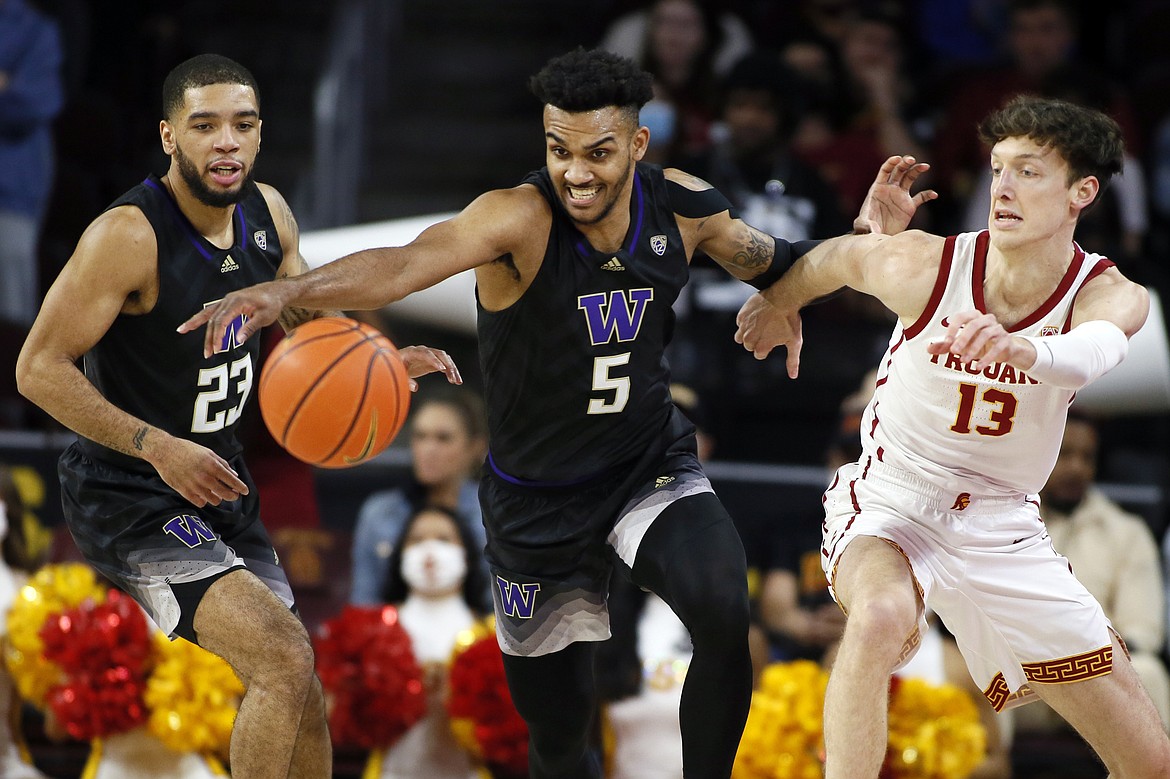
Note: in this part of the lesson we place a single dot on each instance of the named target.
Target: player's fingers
(886, 173)
(793, 360)
(914, 171)
(196, 321)
(925, 196)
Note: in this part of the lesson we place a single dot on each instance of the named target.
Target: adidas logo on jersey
(662, 481)
(228, 265)
(613, 264)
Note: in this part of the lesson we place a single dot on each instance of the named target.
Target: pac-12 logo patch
(1050, 330)
(658, 244)
(260, 238)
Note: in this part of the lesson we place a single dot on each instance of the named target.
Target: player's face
(213, 140)
(590, 157)
(1031, 197)
(441, 449)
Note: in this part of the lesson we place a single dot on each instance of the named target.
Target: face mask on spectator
(434, 567)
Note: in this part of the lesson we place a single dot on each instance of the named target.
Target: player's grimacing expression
(590, 157)
(213, 139)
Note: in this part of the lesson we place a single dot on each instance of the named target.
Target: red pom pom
(371, 677)
(479, 693)
(103, 650)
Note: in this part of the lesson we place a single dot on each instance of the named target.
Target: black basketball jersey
(575, 375)
(143, 366)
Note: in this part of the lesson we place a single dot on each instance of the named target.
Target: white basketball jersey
(993, 431)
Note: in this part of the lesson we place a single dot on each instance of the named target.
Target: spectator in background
(1041, 40)
(31, 95)
(681, 42)
(1114, 554)
(448, 440)
(439, 591)
(802, 619)
(752, 161)
(880, 101)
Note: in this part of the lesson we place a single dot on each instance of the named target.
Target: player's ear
(640, 143)
(1086, 192)
(167, 135)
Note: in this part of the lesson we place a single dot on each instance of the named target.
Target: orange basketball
(334, 392)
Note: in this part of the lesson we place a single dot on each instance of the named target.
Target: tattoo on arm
(292, 316)
(139, 437)
(290, 223)
(755, 255)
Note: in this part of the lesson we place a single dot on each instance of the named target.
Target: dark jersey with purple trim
(144, 367)
(574, 371)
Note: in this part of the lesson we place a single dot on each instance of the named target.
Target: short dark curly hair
(588, 79)
(1088, 140)
(203, 70)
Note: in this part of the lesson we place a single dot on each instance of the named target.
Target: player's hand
(761, 327)
(979, 339)
(421, 360)
(198, 474)
(889, 206)
(257, 306)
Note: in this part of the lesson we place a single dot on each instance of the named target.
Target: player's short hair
(203, 70)
(588, 79)
(1088, 140)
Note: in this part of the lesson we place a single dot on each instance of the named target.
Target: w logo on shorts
(189, 529)
(517, 600)
(962, 501)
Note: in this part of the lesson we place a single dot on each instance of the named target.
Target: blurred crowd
(788, 108)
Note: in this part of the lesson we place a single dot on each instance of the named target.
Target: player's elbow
(34, 372)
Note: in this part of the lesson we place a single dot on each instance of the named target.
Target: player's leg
(312, 755)
(692, 557)
(554, 694)
(241, 620)
(875, 586)
(1115, 715)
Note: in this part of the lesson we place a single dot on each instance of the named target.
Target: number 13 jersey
(991, 431)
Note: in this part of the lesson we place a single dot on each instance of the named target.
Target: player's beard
(613, 199)
(203, 193)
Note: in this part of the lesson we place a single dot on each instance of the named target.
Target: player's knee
(882, 621)
(290, 659)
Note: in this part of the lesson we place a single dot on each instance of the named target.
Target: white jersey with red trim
(992, 431)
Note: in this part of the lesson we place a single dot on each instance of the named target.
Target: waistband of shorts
(945, 500)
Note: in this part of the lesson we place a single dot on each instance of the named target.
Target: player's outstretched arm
(898, 270)
(372, 278)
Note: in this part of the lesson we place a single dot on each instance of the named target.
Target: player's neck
(212, 222)
(1023, 276)
(608, 235)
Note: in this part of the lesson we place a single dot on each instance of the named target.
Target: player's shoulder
(522, 207)
(684, 179)
(126, 226)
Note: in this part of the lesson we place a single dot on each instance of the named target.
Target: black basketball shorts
(157, 547)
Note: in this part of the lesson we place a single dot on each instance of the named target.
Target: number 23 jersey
(991, 431)
(144, 367)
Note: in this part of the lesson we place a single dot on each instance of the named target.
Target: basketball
(334, 392)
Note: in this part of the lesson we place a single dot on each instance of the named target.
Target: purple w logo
(189, 529)
(619, 312)
(231, 337)
(517, 600)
